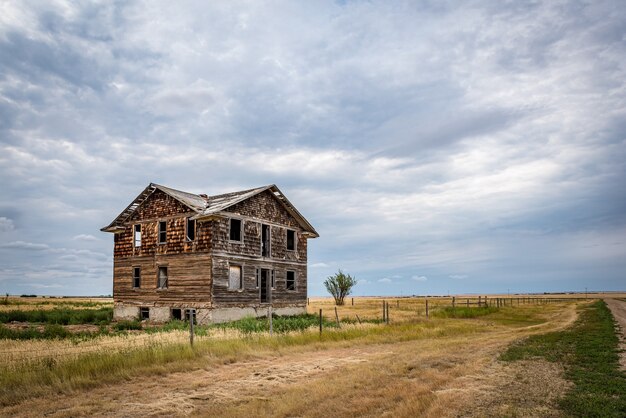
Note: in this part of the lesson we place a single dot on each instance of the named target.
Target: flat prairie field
(367, 361)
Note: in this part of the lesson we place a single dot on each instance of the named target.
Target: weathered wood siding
(250, 294)
(254, 212)
(189, 281)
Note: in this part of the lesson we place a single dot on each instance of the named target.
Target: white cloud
(21, 245)
(318, 265)
(419, 278)
(458, 276)
(6, 224)
(384, 280)
(85, 237)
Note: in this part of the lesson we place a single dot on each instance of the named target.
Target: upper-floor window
(291, 280)
(191, 229)
(137, 236)
(291, 240)
(162, 277)
(235, 279)
(136, 277)
(235, 229)
(265, 240)
(162, 232)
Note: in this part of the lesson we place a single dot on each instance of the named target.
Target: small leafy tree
(339, 286)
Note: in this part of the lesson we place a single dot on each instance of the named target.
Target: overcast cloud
(436, 146)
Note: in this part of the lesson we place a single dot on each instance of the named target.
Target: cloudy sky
(436, 146)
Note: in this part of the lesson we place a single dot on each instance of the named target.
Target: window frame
(295, 275)
(230, 226)
(295, 240)
(187, 221)
(135, 240)
(136, 277)
(164, 232)
(241, 284)
(167, 277)
(143, 309)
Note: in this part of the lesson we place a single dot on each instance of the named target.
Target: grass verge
(53, 376)
(589, 352)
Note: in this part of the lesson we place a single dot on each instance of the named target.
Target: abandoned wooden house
(226, 256)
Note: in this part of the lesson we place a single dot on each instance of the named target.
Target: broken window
(265, 240)
(235, 281)
(291, 240)
(177, 314)
(162, 278)
(235, 229)
(258, 278)
(291, 280)
(136, 277)
(272, 280)
(137, 235)
(162, 232)
(144, 313)
(191, 229)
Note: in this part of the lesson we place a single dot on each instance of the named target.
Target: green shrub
(127, 325)
(62, 316)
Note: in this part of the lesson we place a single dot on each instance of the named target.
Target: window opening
(137, 235)
(265, 241)
(235, 229)
(291, 280)
(162, 277)
(291, 240)
(177, 314)
(162, 232)
(136, 277)
(191, 229)
(235, 281)
(144, 313)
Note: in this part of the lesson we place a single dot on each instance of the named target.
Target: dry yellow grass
(418, 368)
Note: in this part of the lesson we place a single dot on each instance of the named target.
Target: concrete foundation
(162, 314)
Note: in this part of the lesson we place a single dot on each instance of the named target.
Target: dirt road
(448, 376)
(618, 309)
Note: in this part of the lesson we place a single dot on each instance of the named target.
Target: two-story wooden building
(227, 256)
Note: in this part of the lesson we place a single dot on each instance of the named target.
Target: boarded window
(235, 229)
(136, 277)
(162, 277)
(235, 281)
(191, 229)
(162, 232)
(291, 280)
(137, 235)
(291, 240)
(144, 313)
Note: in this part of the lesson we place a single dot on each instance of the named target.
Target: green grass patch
(280, 324)
(463, 312)
(61, 316)
(589, 352)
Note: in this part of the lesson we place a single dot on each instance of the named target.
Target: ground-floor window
(291, 280)
(235, 279)
(144, 313)
(177, 314)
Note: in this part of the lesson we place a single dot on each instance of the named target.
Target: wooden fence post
(453, 302)
(467, 303)
(320, 322)
(426, 308)
(358, 319)
(192, 314)
(398, 303)
(387, 314)
(269, 310)
(384, 311)
(352, 301)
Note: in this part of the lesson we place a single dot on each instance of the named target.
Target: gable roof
(208, 206)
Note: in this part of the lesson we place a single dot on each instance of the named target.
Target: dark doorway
(265, 240)
(264, 287)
